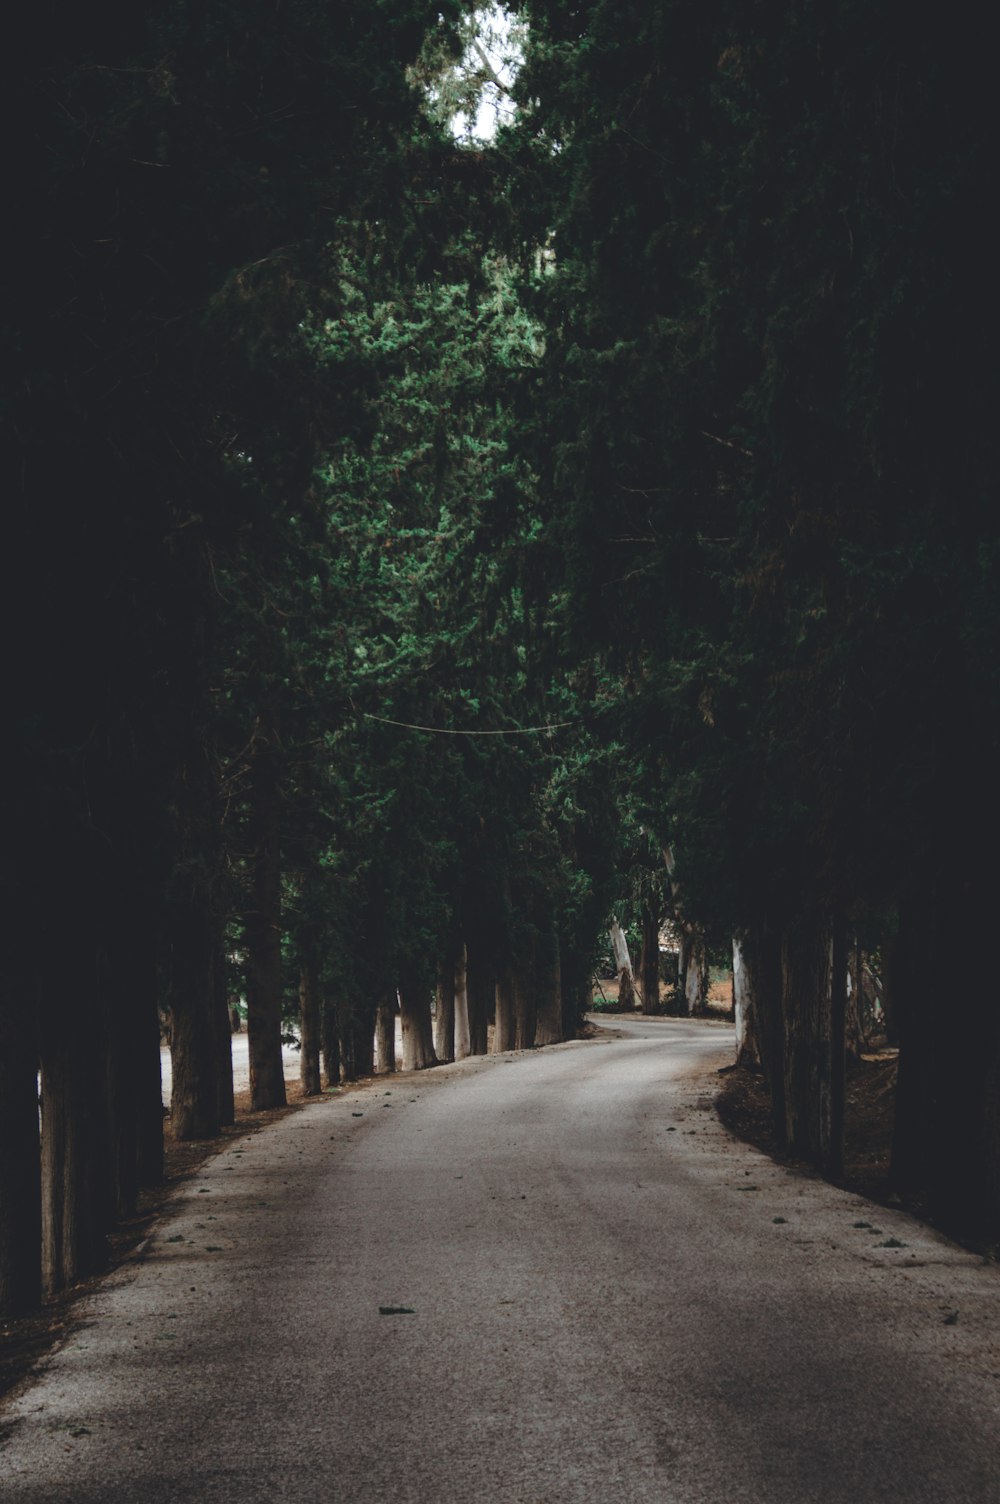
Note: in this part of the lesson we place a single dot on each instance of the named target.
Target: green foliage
(663, 420)
(760, 359)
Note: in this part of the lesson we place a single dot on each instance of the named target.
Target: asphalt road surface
(534, 1279)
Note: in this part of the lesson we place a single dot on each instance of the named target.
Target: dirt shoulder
(25, 1342)
(744, 1107)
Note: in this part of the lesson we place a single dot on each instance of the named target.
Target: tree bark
(649, 962)
(744, 1008)
(149, 1091)
(78, 1171)
(444, 1009)
(20, 1159)
(309, 1030)
(505, 1027)
(263, 929)
(694, 973)
(838, 1047)
(812, 1007)
(223, 1031)
(385, 1035)
(890, 1001)
(946, 1142)
(760, 949)
(189, 966)
(125, 964)
(854, 1008)
(527, 989)
(911, 990)
(357, 1046)
(119, 1074)
(480, 985)
(575, 985)
(549, 1010)
(364, 1039)
(331, 1041)
(623, 961)
(463, 1044)
(418, 1031)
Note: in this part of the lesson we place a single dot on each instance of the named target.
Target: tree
(162, 172)
(742, 405)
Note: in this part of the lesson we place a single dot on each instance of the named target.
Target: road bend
(547, 1278)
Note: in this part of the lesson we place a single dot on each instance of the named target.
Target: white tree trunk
(694, 970)
(692, 985)
(623, 963)
(418, 1029)
(742, 1006)
(620, 947)
(462, 1040)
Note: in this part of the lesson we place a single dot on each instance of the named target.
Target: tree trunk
(946, 1142)
(418, 1030)
(505, 1028)
(870, 1000)
(575, 984)
(854, 1014)
(549, 1010)
(527, 989)
(263, 931)
(20, 1160)
(149, 1092)
(331, 1041)
(358, 1043)
(812, 1007)
(694, 973)
(127, 982)
(124, 938)
(122, 986)
(623, 961)
(890, 1001)
(385, 1035)
(363, 1032)
(649, 963)
(744, 1008)
(838, 1047)
(480, 991)
(463, 1044)
(223, 1032)
(912, 993)
(78, 1179)
(444, 1010)
(760, 950)
(309, 1030)
(189, 965)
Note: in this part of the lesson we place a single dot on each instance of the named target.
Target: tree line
(660, 422)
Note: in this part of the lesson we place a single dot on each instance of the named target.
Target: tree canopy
(425, 540)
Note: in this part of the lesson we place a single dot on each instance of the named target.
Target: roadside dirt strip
(550, 1278)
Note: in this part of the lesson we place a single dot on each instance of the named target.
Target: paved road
(609, 1301)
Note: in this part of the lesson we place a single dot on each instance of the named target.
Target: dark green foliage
(764, 450)
(765, 259)
(668, 417)
(182, 169)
